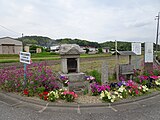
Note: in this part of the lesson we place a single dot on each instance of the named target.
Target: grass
(10, 58)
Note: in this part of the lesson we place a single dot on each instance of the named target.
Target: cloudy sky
(93, 20)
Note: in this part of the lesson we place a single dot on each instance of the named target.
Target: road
(148, 109)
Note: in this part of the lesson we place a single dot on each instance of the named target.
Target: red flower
(45, 97)
(40, 95)
(26, 92)
(45, 93)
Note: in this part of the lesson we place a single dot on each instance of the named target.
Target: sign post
(148, 58)
(25, 57)
(136, 48)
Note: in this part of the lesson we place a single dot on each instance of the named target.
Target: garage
(10, 46)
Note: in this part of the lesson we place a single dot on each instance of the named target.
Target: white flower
(109, 95)
(116, 92)
(113, 96)
(120, 96)
(112, 100)
(121, 89)
(102, 95)
(145, 89)
(157, 82)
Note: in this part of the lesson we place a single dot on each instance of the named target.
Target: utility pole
(22, 43)
(157, 18)
(117, 66)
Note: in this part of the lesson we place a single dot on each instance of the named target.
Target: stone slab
(104, 73)
(74, 77)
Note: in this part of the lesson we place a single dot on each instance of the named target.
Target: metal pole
(25, 70)
(157, 32)
(117, 69)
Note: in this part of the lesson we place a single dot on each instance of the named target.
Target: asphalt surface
(143, 108)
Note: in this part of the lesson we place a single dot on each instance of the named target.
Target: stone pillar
(104, 73)
(148, 67)
(64, 65)
(78, 65)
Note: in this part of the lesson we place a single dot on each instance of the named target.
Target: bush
(97, 75)
(100, 50)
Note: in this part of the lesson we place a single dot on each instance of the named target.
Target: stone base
(76, 81)
(75, 77)
(148, 67)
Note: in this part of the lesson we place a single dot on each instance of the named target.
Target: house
(105, 50)
(54, 48)
(10, 46)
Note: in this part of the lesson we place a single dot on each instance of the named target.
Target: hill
(47, 42)
(120, 45)
(78, 41)
(37, 40)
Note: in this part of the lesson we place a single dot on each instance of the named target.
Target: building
(54, 48)
(10, 46)
(105, 50)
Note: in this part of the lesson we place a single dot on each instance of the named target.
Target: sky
(92, 20)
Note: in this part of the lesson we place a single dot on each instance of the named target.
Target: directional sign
(25, 57)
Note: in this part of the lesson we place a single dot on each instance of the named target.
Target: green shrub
(96, 74)
(100, 50)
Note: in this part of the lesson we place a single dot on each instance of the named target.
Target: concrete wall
(18, 49)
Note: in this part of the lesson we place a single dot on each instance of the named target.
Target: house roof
(124, 53)
(8, 40)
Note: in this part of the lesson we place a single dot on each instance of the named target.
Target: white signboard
(136, 48)
(148, 52)
(25, 57)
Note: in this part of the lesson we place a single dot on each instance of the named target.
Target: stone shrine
(70, 66)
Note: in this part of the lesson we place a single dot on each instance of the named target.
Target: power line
(9, 29)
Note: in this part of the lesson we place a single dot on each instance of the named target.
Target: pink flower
(154, 77)
(136, 91)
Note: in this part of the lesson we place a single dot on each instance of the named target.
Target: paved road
(148, 109)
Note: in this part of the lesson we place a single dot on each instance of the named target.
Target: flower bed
(42, 82)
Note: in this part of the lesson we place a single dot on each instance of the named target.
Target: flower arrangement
(157, 82)
(64, 80)
(26, 92)
(61, 95)
(97, 89)
(37, 75)
(143, 88)
(70, 96)
(107, 96)
(44, 95)
(90, 78)
(53, 95)
(132, 88)
(122, 92)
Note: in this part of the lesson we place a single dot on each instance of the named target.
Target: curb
(75, 105)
